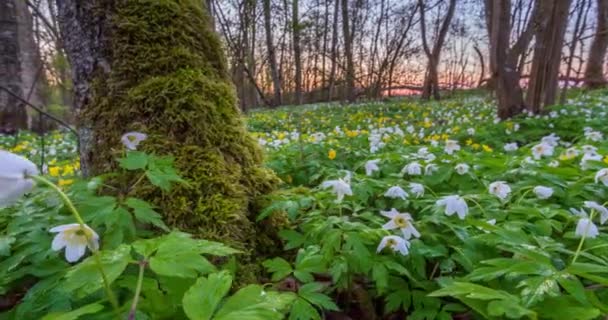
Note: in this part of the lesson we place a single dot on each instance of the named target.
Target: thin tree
(164, 73)
(297, 51)
(347, 33)
(505, 78)
(431, 79)
(272, 58)
(594, 72)
(544, 72)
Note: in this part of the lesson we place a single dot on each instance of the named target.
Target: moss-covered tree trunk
(157, 67)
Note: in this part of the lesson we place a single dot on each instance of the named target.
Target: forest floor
(431, 210)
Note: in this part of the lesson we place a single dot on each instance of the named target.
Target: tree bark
(157, 67)
(431, 80)
(543, 85)
(33, 79)
(594, 72)
(272, 57)
(348, 53)
(297, 52)
(334, 52)
(13, 115)
(505, 78)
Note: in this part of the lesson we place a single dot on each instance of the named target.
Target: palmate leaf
(203, 298)
(279, 268)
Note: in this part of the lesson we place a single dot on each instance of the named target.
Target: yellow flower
(469, 142)
(65, 182)
(331, 154)
(487, 148)
(54, 171)
(606, 160)
(476, 146)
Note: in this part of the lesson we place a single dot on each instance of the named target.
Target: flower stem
(140, 281)
(78, 218)
(523, 196)
(580, 244)
(476, 203)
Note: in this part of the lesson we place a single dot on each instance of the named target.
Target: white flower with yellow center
(15, 173)
(500, 189)
(395, 243)
(401, 221)
(75, 240)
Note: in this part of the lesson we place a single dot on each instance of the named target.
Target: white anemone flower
(395, 243)
(509, 147)
(451, 146)
(413, 169)
(132, 139)
(75, 240)
(551, 140)
(543, 192)
(594, 136)
(417, 189)
(585, 165)
(542, 149)
(462, 168)
(395, 192)
(586, 228)
(454, 204)
(401, 221)
(500, 189)
(371, 166)
(15, 172)
(599, 208)
(339, 187)
(602, 176)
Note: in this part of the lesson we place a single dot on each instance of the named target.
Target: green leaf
(144, 212)
(279, 268)
(134, 160)
(178, 256)
(302, 310)
(75, 314)
(85, 278)
(203, 298)
(251, 303)
(5, 245)
(310, 292)
(470, 290)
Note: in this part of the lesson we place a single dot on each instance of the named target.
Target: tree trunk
(431, 79)
(334, 52)
(542, 88)
(33, 79)
(297, 52)
(594, 72)
(509, 95)
(13, 115)
(272, 58)
(348, 53)
(157, 67)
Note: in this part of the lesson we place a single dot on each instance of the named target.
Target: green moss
(168, 79)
